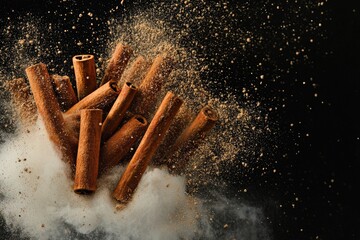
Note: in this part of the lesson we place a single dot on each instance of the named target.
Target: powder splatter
(206, 40)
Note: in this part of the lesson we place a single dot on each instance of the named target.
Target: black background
(331, 151)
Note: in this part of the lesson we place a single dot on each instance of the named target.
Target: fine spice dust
(207, 41)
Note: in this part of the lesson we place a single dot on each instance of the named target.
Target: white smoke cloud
(38, 200)
(38, 197)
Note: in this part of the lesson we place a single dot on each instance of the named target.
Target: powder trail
(36, 196)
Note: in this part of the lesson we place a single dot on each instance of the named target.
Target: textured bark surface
(149, 89)
(118, 110)
(87, 162)
(101, 98)
(85, 74)
(118, 146)
(49, 110)
(147, 147)
(64, 91)
(190, 137)
(117, 63)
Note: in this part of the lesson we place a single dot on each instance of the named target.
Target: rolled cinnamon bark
(150, 86)
(85, 74)
(101, 98)
(49, 110)
(115, 149)
(87, 162)
(117, 63)
(190, 137)
(135, 72)
(64, 91)
(22, 100)
(183, 118)
(118, 110)
(72, 123)
(147, 148)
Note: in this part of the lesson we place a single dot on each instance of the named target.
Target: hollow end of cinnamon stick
(114, 86)
(210, 113)
(191, 136)
(87, 162)
(85, 74)
(83, 58)
(204, 121)
(130, 85)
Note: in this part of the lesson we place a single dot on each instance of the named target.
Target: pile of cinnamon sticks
(95, 125)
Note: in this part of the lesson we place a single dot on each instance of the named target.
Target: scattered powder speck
(208, 42)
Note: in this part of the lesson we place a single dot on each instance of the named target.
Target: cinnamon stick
(85, 74)
(87, 162)
(117, 63)
(49, 110)
(118, 110)
(101, 98)
(190, 137)
(72, 123)
(147, 147)
(115, 149)
(181, 121)
(64, 91)
(150, 86)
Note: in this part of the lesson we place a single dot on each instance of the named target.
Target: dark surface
(320, 170)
